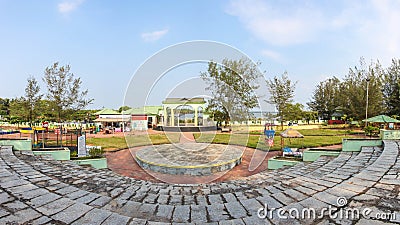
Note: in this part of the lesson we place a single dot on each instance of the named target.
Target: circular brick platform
(196, 159)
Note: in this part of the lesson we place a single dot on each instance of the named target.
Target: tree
(232, 87)
(281, 93)
(32, 98)
(294, 112)
(123, 108)
(4, 108)
(353, 94)
(64, 90)
(325, 98)
(18, 110)
(391, 88)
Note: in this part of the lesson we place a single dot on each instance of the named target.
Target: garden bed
(279, 162)
(311, 155)
(56, 153)
(95, 162)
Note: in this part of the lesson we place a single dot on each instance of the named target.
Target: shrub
(96, 152)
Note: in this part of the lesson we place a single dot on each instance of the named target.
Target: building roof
(107, 112)
(148, 110)
(382, 119)
(184, 101)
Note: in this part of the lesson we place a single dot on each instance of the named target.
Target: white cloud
(279, 24)
(271, 54)
(69, 6)
(154, 36)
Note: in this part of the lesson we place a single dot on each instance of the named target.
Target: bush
(96, 152)
(370, 130)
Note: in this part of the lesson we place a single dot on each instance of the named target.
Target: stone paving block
(201, 200)
(130, 209)
(232, 222)
(284, 199)
(188, 200)
(163, 199)
(361, 182)
(43, 199)
(164, 212)
(3, 213)
(305, 190)
(55, 206)
(76, 194)
(235, 209)
(217, 212)
(31, 194)
(352, 187)
(313, 186)
(229, 197)
(88, 198)
(326, 197)
(198, 214)
(15, 206)
(158, 223)
(22, 188)
(71, 213)
(215, 199)
(313, 203)
(4, 197)
(366, 197)
(298, 196)
(150, 198)
(175, 200)
(41, 220)
(66, 190)
(147, 210)
(272, 189)
(100, 202)
(181, 214)
(94, 216)
(115, 219)
(251, 205)
(269, 202)
(56, 186)
(13, 183)
(340, 192)
(20, 217)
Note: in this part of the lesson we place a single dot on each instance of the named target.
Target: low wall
(274, 163)
(56, 153)
(18, 144)
(354, 145)
(100, 163)
(390, 134)
(313, 154)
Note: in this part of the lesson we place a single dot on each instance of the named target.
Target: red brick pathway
(122, 162)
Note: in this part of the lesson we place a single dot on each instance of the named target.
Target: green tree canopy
(281, 94)
(232, 86)
(63, 90)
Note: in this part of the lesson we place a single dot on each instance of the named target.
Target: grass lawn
(317, 132)
(116, 143)
(310, 140)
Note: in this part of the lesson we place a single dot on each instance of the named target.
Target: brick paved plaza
(40, 190)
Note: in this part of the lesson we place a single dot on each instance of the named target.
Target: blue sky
(105, 42)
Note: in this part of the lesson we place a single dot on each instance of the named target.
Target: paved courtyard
(39, 190)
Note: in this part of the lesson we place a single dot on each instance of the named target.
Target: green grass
(315, 132)
(257, 141)
(116, 143)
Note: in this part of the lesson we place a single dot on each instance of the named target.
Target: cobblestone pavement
(39, 190)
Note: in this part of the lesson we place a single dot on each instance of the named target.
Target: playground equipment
(269, 134)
